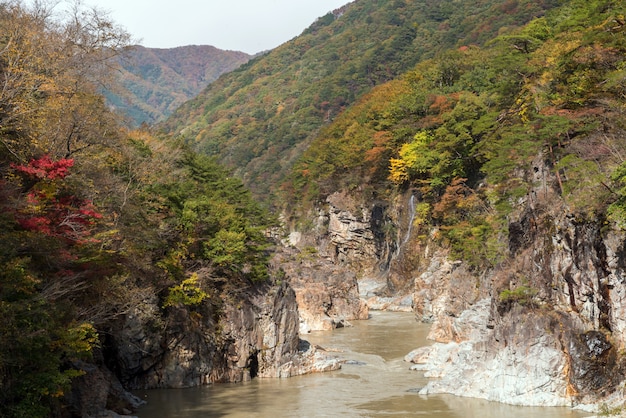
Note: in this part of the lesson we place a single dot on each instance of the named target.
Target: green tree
(217, 223)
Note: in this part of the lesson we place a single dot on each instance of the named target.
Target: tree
(51, 73)
(219, 225)
(57, 274)
(48, 262)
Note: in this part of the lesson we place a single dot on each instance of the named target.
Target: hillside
(458, 129)
(154, 82)
(98, 221)
(258, 119)
(488, 183)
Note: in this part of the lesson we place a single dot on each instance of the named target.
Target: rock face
(443, 292)
(98, 393)
(351, 232)
(326, 293)
(349, 246)
(242, 337)
(350, 242)
(518, 363)
(546, 329)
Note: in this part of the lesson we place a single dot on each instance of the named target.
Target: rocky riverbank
(241, 335)
(544, 328)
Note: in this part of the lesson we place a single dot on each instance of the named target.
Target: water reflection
(375, 382)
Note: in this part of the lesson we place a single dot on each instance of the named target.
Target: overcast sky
(242, 25)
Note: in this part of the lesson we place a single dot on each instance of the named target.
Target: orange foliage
(572, 113)
(457, 202)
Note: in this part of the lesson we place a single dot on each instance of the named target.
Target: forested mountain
(460, 130)
(258, 119)
(495, 175)
(153, 82)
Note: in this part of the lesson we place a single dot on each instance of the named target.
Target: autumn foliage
(96, 219)
(48, 209)
(93, 217)
(463, 129)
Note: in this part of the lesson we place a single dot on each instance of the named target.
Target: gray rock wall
(327, 294)
(545, 327)
(253, 333)
(553, 339)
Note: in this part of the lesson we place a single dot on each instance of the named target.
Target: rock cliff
(544, 328)
(326, 293)
(347, 243)
(349, 261)
(236, 337)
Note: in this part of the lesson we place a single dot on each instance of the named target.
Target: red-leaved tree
(49, 208)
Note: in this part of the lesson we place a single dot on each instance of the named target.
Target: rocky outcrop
(376, 294)
(443, 292)
(98, 393)
(326, 293)
(350, 253)
(547, 327)
(354, 235)
(518, 363)
(235, 337)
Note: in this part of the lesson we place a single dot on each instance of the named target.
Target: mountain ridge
(275, 104)
(153, 82)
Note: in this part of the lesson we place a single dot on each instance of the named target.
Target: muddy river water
(374, 382)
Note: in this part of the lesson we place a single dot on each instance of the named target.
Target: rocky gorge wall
(550, 329)
(544, 328)
(547, 327)
(342, 266)
(234, 337)
(255, 334)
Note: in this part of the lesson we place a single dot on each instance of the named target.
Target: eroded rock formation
(545, 327)
(243, 335)
(550, 328)
(327, 294)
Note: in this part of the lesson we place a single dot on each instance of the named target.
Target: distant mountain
(156, 81)
(258, 119)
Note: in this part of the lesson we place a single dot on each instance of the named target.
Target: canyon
(543, 329)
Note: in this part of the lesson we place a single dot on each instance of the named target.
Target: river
(375, 382)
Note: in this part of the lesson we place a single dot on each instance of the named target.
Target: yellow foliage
(398, 172)
(187, 293)
(414, 159)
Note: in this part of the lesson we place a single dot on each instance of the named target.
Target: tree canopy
(94, 217)
(259, 119)
(463, 129)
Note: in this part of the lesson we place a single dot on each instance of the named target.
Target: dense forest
(94, 217)
(458, 103)
(462, 128)
(259, 118)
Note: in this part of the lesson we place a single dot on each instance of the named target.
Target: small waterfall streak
(393, 253)
(411, 219)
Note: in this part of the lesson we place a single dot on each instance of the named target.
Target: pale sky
(242, 25)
